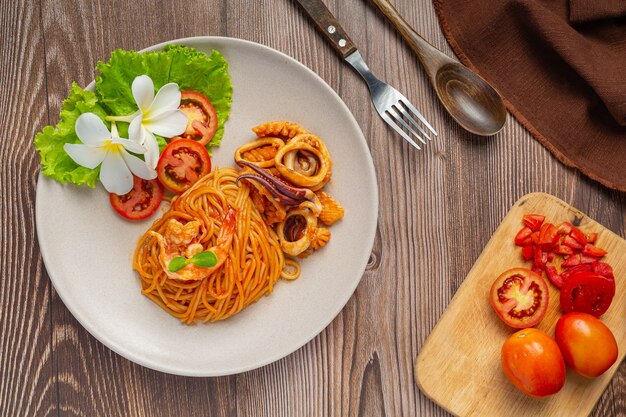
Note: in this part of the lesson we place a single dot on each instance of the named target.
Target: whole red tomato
(588, 346)
(532, 361)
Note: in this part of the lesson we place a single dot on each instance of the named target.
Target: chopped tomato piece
(588, 259)
(533, 221)
(564, 228)
(578, 236)
(548, 237)
(528, 252)
(591, 250)
(534, 237)
(564, 250)
(523, 237)
(572, 261)
(591, 237)
(554, 276)
(572, 243)
(602, 268)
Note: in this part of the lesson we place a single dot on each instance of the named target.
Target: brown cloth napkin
(564, 81)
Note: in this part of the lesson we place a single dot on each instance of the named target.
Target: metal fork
(391, 105)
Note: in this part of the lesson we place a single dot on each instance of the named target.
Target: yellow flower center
(109, 146)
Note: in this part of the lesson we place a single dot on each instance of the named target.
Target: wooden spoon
(469, 99)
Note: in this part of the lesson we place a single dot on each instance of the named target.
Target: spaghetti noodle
(252, 260)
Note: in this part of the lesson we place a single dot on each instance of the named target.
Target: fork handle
(329, 26)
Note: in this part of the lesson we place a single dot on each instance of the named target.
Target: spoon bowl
(469, 99)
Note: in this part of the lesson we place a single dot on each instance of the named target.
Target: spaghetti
(252, 260)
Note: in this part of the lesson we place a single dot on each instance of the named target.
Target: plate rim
(110, 343)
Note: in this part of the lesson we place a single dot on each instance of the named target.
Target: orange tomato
(588, 346)
(532, 361)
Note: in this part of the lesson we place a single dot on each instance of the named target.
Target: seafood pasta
(227, 240)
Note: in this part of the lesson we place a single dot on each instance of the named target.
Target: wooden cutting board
(459, 364)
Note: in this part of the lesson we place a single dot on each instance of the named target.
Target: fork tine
(408, 105)
(397, 128)
(412, 120)
(399, 118)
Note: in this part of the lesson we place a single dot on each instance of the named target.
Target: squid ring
(260, 152)
(312, 148)
(292, 244)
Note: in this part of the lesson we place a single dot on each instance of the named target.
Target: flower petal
(138, 167)
(168, 124)
(83, 155)
(152, 150)
(115, 175)
(91, 130)
(167, 98)
(143, 92)
(130, 145)
(135, 131)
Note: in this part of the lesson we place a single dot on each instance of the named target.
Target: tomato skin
(140, 202)
(532, 361)
(520, 297)
(588, 345)
(182, 163)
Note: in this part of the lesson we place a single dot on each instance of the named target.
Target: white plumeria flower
(157, 115)
(103, 147)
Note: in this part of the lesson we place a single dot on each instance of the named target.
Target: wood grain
(438, 208)
(465, 377)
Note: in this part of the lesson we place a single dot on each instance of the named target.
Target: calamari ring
(282, 129)
(312, 147)
(295, 247)
(260, 152)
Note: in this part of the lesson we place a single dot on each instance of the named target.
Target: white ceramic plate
(87, 248)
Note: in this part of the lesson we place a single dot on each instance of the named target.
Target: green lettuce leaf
(187, 67)
(55, 163)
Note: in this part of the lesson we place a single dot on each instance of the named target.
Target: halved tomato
(182, 163)
(138, 204)
(202, 122)
(520, 297)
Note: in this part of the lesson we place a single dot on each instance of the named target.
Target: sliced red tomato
(602, 268)
(572, 243)
(182, 163)
(141, 202)
(554, 276)
(548, 236)
(578, 236)
(202, 123)
(520, 297)
(533, 221)
(588, 293)
(591, 250)
(564, 250)
(564, 228)
(523, 237)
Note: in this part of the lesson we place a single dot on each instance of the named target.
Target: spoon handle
(430, 57)
(329, 26)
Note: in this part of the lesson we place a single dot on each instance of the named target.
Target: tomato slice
(587, 292)
(533, 221)
(202, 123)
(141, 202)
(182, 163)
(520, 297)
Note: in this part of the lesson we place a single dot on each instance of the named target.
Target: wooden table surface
(438, 209)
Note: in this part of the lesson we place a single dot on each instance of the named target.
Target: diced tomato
(533, 221)
(578, 235)
(540, 258)
(538, 269)
(534, 237)
(550, 256)
(564, 228)
(588, 259)
(554, 276)
(523, 237)
(528, 252)
(572, 243)
(591, 237)
(572, 261)
(548, 236)
(591, 250)
(564, 250)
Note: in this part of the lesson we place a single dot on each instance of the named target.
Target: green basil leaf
(205, 259)
(177, 264)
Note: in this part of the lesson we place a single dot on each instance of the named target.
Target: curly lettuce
(188, 67)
